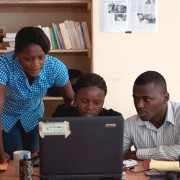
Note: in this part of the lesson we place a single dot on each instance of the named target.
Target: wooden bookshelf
(45, 12)
(52, 98)
(26, 5)
(16, 14)
(63, 51)
(46, 2)
(51, 103)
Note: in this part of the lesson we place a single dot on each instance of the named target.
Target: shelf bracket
(89, 5)
(89, 53)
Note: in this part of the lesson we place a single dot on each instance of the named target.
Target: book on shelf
(54, 27)
(60, 36)
(9, 41)
(65, 36)
(83, 36)
(56, 46)
(5, 39)
(75, 35)
(80, 35)
(50, 32)
(70, 34)
(11, 35)
(46, 30)
(86, 34)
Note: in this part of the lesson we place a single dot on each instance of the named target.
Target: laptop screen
(81, 146)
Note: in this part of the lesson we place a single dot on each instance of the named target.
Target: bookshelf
(45, 12)
(16, 14)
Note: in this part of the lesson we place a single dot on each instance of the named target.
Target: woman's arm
(4, 157)
(67, 94)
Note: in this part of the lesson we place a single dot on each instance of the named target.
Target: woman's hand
(4, 157)
(35, 154)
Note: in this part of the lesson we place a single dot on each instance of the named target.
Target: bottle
(25, 168)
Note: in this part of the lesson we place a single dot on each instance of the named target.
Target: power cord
(147, 170)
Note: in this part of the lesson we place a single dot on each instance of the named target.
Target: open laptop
(81, 147)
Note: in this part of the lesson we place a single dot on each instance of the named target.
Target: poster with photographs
(128, 15)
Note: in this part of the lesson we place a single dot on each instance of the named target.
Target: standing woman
(25, 76)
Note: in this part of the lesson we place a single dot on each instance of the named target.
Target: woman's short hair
(31, 35)
(90, 79)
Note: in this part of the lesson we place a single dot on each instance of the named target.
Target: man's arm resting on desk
(160, 152)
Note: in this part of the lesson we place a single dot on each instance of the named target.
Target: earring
(73, 103)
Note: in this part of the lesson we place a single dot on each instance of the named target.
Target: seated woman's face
(89, 101)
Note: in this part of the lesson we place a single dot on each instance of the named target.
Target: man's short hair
(151, 77)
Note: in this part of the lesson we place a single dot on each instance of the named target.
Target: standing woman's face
(31, 58)
(89, 101)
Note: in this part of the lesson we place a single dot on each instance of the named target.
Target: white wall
(120, 57)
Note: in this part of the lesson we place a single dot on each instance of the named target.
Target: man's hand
(4, 157)
(130, 155)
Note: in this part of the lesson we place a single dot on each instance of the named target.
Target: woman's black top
(61, 111)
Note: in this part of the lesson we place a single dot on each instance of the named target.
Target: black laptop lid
(92, 146)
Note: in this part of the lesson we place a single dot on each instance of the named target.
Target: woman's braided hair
(90, 79)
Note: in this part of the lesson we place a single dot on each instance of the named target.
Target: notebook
(81, 147)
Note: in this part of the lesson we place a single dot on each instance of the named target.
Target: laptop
(81, 147)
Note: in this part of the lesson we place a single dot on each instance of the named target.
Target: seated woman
(90, 92)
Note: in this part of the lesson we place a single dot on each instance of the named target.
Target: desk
(137, 176)
(10, 173)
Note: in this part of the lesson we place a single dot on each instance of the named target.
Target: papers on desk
(149, 171)
(162, 165)
(165, 165)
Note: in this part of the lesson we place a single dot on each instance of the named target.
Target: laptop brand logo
(110, 125)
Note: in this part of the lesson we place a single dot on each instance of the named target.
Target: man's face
(150, 101)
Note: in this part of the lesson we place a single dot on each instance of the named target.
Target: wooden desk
(137, 176)
(10, 173)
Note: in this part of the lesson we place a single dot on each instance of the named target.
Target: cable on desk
(160, 172)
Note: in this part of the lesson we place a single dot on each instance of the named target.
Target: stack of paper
(160, 168)
(10, 39)
(165, 165)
